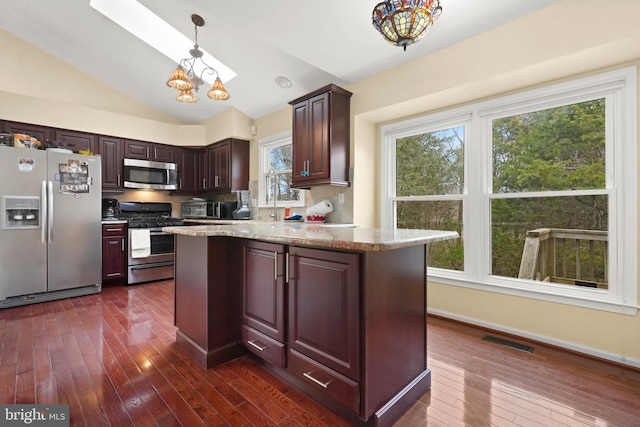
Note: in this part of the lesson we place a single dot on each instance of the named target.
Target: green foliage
(555, 149)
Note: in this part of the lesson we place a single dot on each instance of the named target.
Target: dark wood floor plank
(112, 357)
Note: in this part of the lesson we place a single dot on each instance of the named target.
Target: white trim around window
(265, 144)
(619, 89)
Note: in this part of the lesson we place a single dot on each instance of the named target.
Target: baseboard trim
(543, 339)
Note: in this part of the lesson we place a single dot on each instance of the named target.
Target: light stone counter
(319, 235)
(113, 221)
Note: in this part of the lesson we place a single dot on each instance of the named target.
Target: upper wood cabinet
(187, 171)
(77, 141)
(150, 151)
(43, 133)
(227, 166)
(137, 150)
(111, 150)
(321, 138)
(164, 153)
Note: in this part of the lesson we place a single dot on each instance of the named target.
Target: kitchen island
(338, 312)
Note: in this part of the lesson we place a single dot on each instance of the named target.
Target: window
(275, 172)
(541, 186)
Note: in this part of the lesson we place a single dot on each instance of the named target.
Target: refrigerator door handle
(43, 212)
(50, 210)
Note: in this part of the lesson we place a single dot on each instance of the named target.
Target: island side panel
(207, 298)
(394, 331)
(191, 288)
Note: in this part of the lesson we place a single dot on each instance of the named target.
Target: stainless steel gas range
(151, 251)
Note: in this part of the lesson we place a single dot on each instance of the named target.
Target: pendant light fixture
(187, 80)
(404, 22)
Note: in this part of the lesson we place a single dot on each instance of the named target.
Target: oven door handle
(152, 265)
(159, 233)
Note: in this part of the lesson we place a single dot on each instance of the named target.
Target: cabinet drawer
(267, 348)
(113, 230)
(338, 387)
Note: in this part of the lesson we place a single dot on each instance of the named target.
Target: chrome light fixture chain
(187, 80)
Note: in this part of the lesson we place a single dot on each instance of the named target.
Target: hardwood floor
(112, 357)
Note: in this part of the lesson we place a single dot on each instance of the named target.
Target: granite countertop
(335, 236)
(114, 221)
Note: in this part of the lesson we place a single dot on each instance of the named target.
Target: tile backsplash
(342, 212)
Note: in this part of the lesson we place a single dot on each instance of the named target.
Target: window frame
(619, 88)
(265, 145)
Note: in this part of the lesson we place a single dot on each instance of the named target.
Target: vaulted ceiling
(312, 43)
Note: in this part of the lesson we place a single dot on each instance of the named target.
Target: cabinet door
(318, 147)
(324, 308)
(110, 150)
(311, 140)
(203, 169)
(263, 286)
(76, 141)
(43, 133)
(223, 167)
(187, 170)
(137, 150)
(210, 182)
(300, 138)
(164, 153)
(114, 255)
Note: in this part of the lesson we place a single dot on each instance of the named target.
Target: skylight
(148, 27)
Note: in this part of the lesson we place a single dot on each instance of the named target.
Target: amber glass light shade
(218, 91)
(179, 80)
(187, 96)
(404, 22)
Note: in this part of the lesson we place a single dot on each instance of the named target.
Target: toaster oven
(207, 210)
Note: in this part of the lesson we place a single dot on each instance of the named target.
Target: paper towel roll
(322, 208)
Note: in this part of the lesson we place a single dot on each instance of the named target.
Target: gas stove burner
(148, 214)
(154, 222)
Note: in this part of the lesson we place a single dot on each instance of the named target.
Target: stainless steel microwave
(150, 175)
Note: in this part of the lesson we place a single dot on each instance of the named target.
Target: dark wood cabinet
(164, 153)
(263, 301)
(187, 159)
(110, 150)
(203, 170)
(324, 308)
(321, 138)
(142, 150)
(114, 252)
(354, 322)
(43, 133)
(227, 166)
(76, 141)
(137, 150)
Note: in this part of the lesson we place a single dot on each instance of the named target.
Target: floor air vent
(508, 343)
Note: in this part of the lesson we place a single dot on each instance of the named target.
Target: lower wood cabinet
(263, 300)
(323, 308)
(114, 252)
(347, 328)
(313, 329)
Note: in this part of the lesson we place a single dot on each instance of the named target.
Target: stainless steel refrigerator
(50, 225)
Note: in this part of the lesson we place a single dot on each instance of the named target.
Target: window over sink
(276, 161)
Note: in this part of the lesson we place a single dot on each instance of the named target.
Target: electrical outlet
(341, 199)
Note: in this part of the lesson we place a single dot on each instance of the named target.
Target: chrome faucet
(272, 181)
